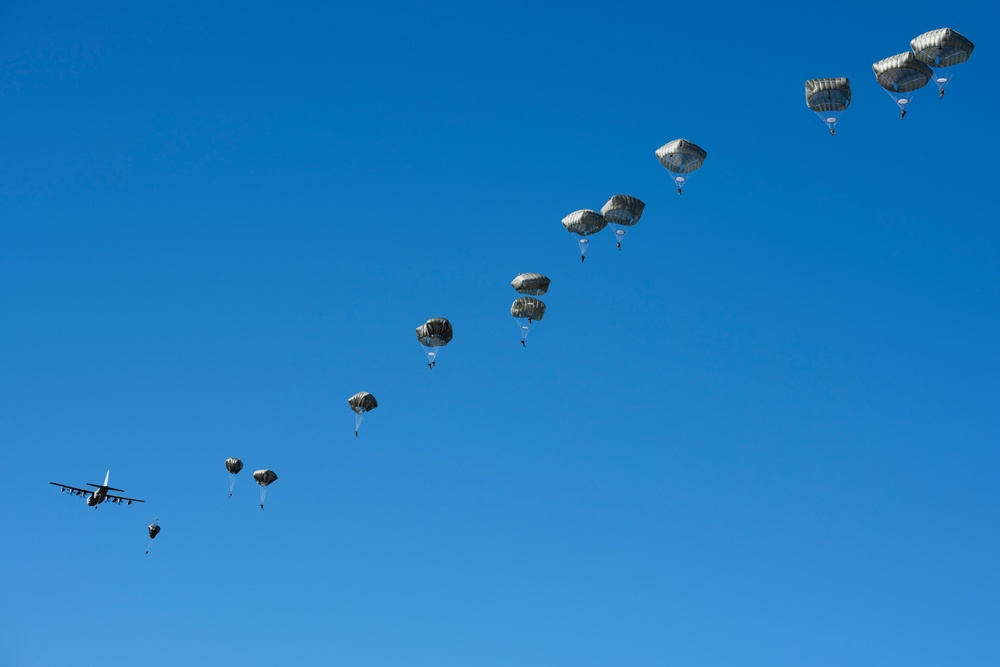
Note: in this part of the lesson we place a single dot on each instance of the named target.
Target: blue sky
(764, 433)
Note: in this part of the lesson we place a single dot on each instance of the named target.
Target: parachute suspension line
(149, 544)
(680, 181)
(263, 492)
(584, 244)
(431, 356)
(357, 421)
(941, 80)
(232, 483)
(830, 119)
(902, 101)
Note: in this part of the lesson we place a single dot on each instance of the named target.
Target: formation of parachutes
(528, 309)
(622, 211)
(900, 75)
(929, 59)
(263, 477)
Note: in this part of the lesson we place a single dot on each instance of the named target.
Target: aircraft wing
(120, 498)
(71, 488)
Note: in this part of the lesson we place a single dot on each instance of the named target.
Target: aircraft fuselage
(97, 497)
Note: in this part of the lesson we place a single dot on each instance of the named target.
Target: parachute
(585, 223)
(622, 211)
(432, 334)
(939, 49)
(154, 530)
(828, 98)
(532, 284)
(233, 465)
(681, 157)
(264, 478)
(526, 310)
(361, 403)
(902, 75)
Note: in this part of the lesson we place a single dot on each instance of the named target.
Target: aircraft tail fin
(107, 475)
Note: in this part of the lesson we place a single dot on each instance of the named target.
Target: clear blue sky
(764, 433)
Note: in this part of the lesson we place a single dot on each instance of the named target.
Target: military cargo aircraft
(95, 498)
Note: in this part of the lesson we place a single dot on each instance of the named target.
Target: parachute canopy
(828, 98)
(901, 75)
(362, 402)
(435, 332)
(584, 222)
(528, 308)
(941, 48)
(265, 477)
(681, 157)
(534, 284)
(623, 210)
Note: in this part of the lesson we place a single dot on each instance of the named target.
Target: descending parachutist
(154, 530)
(902, 114)
(529, 309)
(679, 191)
(941, 49)
(584, 223)
(233, 465)
(361, 403)
(264, 478)
(434, 334)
